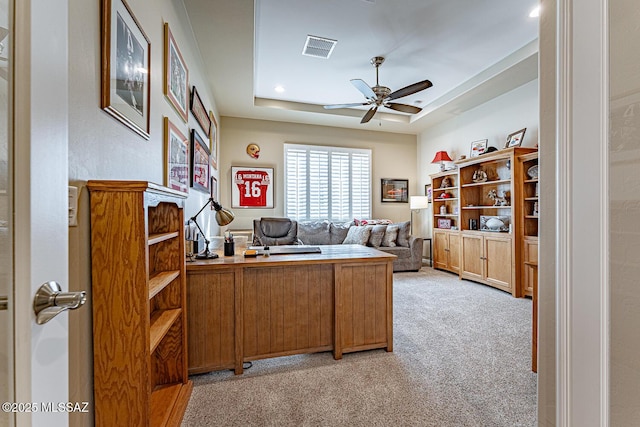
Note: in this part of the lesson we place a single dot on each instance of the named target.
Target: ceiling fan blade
(410, 90)
(369, 114)
(403, 107)
(355, 104)
(364, 88)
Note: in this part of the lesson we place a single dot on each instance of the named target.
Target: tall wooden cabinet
(139, 304)
(446, 237)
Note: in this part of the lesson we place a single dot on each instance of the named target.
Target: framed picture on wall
(199, 163)
(394, 190)
(126, 58)
(251, 187)
(176, 158)
(200, 113)
(428, 192)
(214, 190)
(176, 75)
(213, 139)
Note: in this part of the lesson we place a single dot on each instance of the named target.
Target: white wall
(393, 156)
(493, 120)
(102, 148)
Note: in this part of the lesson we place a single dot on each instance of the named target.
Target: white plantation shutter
(327, 183)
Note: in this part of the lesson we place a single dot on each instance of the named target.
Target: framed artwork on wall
(199, 163)
(200, 112)
(428, 192)
(515, 139)
(126, 59)
(394, 190)
(214, 190)
(176, 75)
(478, 147)
(213, 139)
(176, 158)
(251, 187)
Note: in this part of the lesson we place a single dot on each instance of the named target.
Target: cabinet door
(454, 252)
(499, 261)
(472, 257)
(440, 249)
(530, 267)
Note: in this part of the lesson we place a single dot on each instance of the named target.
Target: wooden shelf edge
(478, 184)
(169, 402)
(487, 207)
(161, 237)
(161, 280)
(451, 199)
(161, 322)
(445, 188)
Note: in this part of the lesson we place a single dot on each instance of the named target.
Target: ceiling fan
(380, 96)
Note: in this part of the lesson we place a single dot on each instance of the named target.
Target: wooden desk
(242, 309)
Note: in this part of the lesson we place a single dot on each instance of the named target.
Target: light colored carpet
(462, 357)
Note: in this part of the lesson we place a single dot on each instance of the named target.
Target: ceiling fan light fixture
(318, 47)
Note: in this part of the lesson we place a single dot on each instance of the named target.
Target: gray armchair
(275, 231)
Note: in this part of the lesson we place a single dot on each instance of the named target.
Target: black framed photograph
(176, 158)
(394, 190)
(176, 76)
(515, 139)
(478, 147)
(126, 59)
(200, 112)
(214, 190)
(199, 163)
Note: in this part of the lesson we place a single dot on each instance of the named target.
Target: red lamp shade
(441, 156)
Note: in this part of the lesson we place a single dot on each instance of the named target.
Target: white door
(39, 115)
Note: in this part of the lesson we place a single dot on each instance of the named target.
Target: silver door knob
(50, 301)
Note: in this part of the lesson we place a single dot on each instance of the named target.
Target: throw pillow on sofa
(403, 233)
(357, 236)
(377, 234)
(390, 236)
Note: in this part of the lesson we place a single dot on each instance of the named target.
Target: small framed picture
(176, 158)
(515, 139)
(444, 223)
(126, 58)
(478, 147)
(394, 190)
(176, 75)
(199, 163)
(428, 191)
(214, 190)
(251, 187)
(213, 139)
(200, 113)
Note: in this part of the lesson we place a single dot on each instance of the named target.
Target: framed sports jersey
(251, 187)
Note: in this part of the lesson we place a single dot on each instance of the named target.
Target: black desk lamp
(223, 217)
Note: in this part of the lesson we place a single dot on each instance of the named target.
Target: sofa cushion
(361, 222)
(376, 236)
(390, 236)
(314, 232)
(338, 232)
(357, 236)
(403, 234)
(398, 251)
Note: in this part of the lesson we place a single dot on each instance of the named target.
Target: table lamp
(223, 217)
(417, 203)
(441, 156)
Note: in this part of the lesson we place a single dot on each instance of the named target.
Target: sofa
(382, 235)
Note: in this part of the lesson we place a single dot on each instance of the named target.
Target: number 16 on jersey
(252, 187)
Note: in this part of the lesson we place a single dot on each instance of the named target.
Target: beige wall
(393, 156)
(102, 148)
(493, 120)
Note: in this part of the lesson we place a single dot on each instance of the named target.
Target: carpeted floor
(462, 357)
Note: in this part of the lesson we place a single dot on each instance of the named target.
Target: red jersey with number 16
(253, 186)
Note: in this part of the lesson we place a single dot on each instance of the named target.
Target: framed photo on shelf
(176, 158)
(176, 75)
(478, 147)
(126, 59)
(213, 139)
(444, 223)
(428, 191)
(200, 113)
(199, 163)
(515, 139)
(394, 190)
(252, 187)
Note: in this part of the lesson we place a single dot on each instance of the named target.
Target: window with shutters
(327, 183)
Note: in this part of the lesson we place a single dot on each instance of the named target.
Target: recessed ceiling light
(535, 12)
(279, 89)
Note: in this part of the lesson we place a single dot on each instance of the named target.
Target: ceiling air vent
(319, 47)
